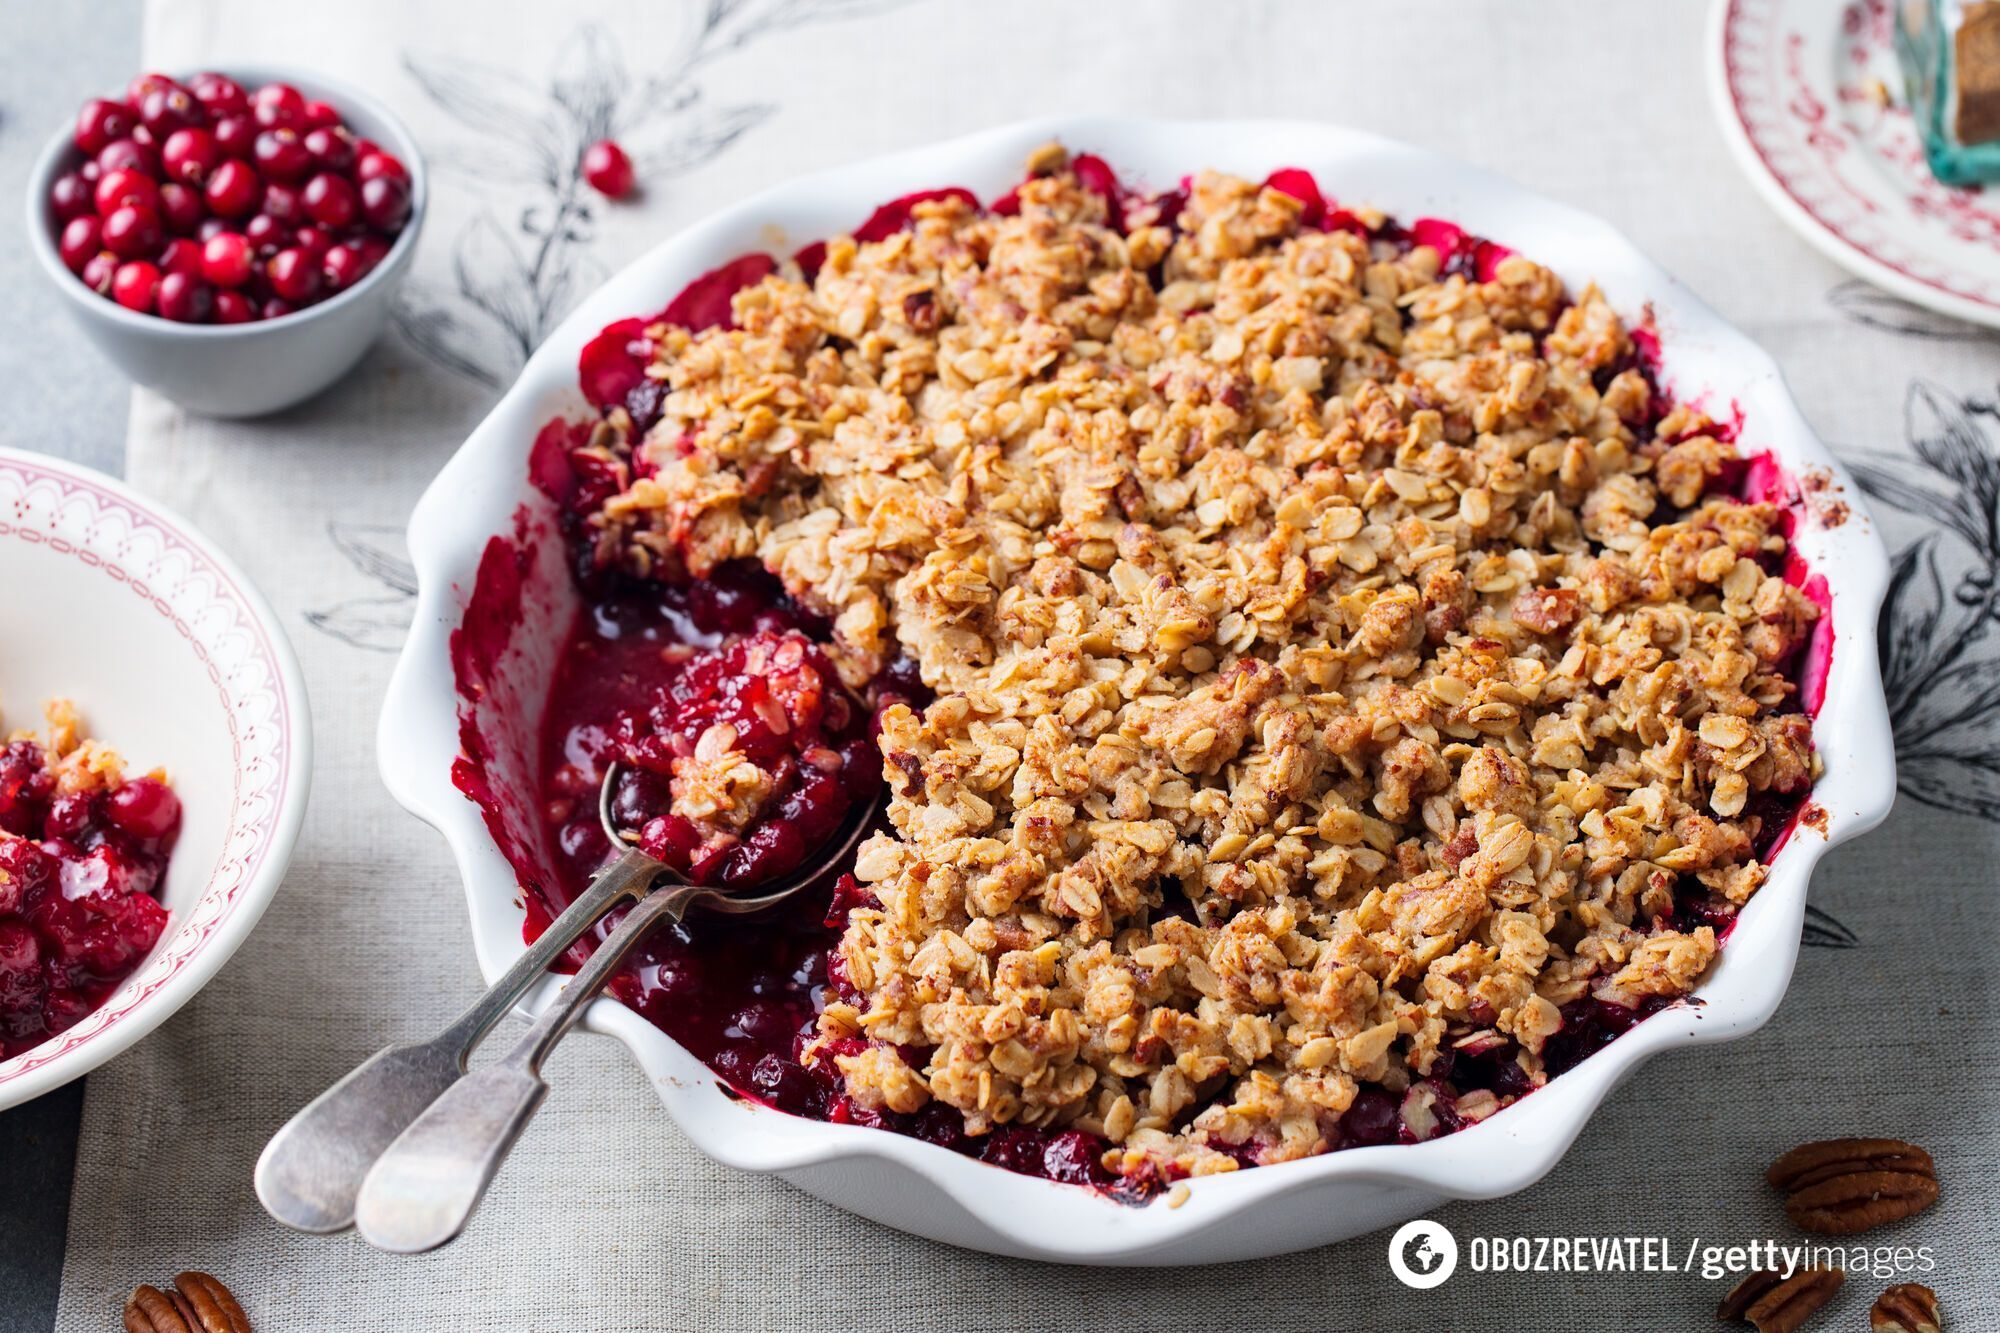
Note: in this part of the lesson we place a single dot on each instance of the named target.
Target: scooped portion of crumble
(1349, 671)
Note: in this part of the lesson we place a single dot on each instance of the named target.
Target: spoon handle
(311, 1170)
(423, 1190)
(629, 877)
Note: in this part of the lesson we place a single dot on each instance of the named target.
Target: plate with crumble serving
(155, 750)
(1357, 657)
(1811, 101)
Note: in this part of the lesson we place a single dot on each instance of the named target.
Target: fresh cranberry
(385, 203)
(189, 155)
(265, 234)
(236, 137)
(185, 299)
(281, 203)
(278, 106)
(281, 155)
(100, 121)
(211, 227)
(608, 169)
(233, 308)
(295, 277)
(81, 238)
(332, 148)
(182, 255)
(143, 84)
(71, 197)
(276, 308)
(136, 285)
(98, 275)
(129, 155)
(219, 94)
(133, 232)
(233, 190)
(352, 260)
(181, 208)
(165, 110)
(116, 189)
(330, 201)
(318, 116)
(374, 164)
(315, 241)
(341, 267)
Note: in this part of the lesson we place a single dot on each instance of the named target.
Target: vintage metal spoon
(311, 1171)
(426, 1185)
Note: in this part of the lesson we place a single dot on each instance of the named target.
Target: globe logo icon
(1422, 1254)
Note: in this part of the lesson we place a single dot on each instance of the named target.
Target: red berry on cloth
(607, 169)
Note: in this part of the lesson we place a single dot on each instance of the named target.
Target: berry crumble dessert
(82, 852)
(1326, 688)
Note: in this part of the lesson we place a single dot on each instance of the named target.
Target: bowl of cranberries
(232, 240)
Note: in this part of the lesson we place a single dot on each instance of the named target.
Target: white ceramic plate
(1811, 102)
(484, 492)
(175, 661)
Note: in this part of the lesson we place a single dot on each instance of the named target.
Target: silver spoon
(310, 1173)
(424, 1188)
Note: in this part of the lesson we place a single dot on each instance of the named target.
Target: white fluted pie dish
(485, 493)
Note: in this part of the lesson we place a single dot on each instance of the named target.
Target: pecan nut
(1841, 1186)
(1907, 1307)
(198, 1303)
(1772, 1303)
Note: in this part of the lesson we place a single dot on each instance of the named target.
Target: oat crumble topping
(1340, 662)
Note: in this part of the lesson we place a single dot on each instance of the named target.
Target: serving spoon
(443, 1133)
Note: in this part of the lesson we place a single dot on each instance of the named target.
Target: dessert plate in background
(1811, 101)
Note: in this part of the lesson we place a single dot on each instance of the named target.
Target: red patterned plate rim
(173, 573)
(1799, 86)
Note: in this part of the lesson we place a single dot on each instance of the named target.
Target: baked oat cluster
(1342, 666)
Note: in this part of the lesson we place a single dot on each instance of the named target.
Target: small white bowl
(243, 370)
(176, 662)
(485, 494)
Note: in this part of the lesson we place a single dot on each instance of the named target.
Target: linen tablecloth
(606, 1217)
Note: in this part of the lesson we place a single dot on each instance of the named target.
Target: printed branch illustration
(512, 282)
(1939, 667)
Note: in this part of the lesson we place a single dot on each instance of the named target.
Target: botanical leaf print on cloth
(525, 260)
(1940, 657)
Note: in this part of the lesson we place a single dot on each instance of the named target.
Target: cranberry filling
(651, 668)
(77, 875)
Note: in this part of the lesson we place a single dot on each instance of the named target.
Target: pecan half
(1841, 1186)
(1907, 1307)
(1770, 1303)
(198, 1303)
